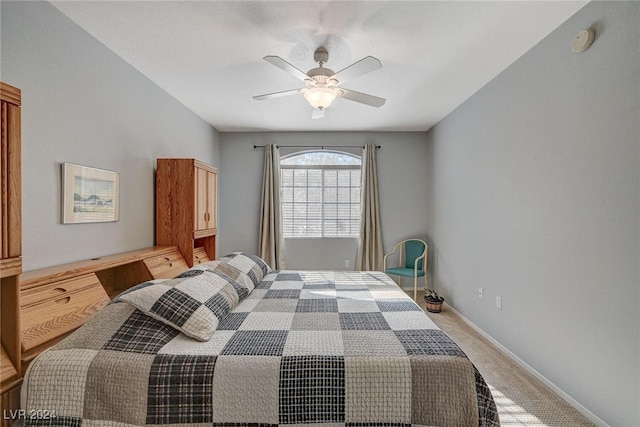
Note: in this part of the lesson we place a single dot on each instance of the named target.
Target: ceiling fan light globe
(320, 97)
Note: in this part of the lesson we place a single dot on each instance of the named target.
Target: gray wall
(83, 104)
(401, 176)
(534, 195)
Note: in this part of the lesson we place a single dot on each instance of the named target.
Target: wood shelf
(8, 372)
(10, 267)
(41, 276)
(10, 318)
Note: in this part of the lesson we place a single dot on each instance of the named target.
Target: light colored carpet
(522, 400)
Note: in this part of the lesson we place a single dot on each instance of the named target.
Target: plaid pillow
(251, 265)
(193, 304)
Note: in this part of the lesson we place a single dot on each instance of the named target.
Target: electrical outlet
(346, 263)
(480, 293)
(499, 303)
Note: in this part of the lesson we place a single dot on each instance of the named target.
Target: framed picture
(89, 194)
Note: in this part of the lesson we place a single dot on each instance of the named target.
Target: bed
(231, 342)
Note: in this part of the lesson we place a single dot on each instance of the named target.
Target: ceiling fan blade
(285, 66)
(278, 94)
(317, 114)
(357, 69)
(362, 98)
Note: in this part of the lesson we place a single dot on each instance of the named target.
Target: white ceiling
(208, 54)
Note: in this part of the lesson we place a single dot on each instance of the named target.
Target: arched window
(320, 194)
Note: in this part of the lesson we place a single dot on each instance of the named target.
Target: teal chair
(412, 262)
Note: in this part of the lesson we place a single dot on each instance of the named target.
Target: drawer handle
(58, 290)
(167, 262)
(63, 300)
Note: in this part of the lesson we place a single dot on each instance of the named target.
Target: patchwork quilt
(299, 348)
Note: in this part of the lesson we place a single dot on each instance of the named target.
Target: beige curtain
(271, 247)
(370, 253)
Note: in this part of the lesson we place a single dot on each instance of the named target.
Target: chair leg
(426, 282)
(415, 288)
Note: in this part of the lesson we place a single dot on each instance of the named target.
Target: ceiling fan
(323, 84)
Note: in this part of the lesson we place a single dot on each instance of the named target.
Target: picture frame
(89, 194)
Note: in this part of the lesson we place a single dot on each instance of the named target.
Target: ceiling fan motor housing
(320, 76)
(321, 55)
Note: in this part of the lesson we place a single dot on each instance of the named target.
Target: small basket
(434, 307)
(433, 302)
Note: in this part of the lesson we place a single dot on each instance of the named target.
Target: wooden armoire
(186, 208)
(11, 249)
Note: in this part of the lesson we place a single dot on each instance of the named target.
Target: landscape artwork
(89, 194)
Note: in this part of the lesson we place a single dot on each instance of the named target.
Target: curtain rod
(317, 146)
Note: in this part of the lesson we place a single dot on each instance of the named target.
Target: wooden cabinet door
(211, 200)
(200, 212)
(205, 216)
(10, 174)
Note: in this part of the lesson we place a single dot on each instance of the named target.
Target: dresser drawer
(52, 310)
(166, 266)
(57, 289)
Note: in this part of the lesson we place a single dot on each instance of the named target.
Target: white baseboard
(571, 401)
